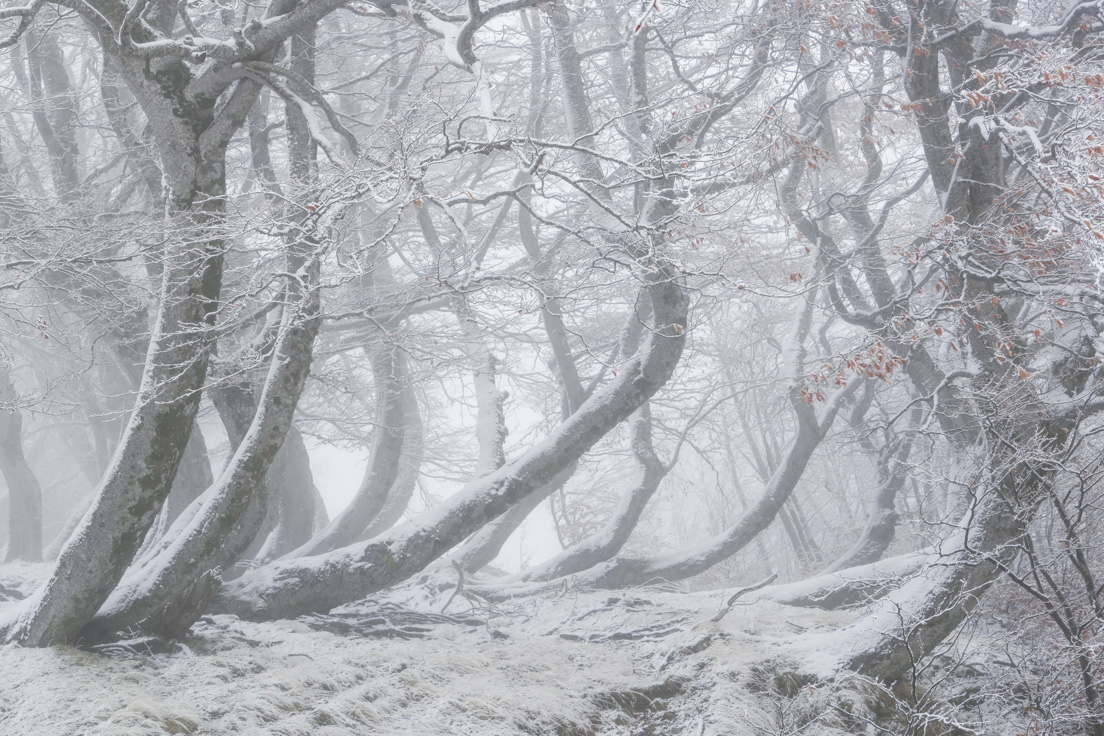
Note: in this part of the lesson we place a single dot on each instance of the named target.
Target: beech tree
(602, 246)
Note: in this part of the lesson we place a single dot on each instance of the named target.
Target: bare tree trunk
(55, 115)
(911, 621)
(389, 371)
(192, 137)
(624, 571)
(650, 472)
(295, 499)
(410, 464)
(262, 515)
(487, 543)
(24, 491)
(261, 158)
(293, 587)
(236, 404)
(609, 540)
(627, 571)
(167, 593)
(141, 475)
(852, 586)
(881, 522)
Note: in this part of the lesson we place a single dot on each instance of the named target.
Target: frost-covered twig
(740, 593)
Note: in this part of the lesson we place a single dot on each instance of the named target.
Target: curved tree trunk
(486, 544)
(908, 624)
(151, 594)
(191, 136)
(236, 403)
(891, 472)
(650, 472)
(294, 587)
(295, 499)
(389, 371)
(263, 513)
(627, 571)
(852, 586)
(193, 477)
(142, 471)
(881, 522)
(609, 540)
(410, 464)
(169, 593)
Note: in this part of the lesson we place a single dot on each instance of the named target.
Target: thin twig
(736, 596)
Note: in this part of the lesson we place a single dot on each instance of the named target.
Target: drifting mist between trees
(689, 277)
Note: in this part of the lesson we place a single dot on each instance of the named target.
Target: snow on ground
(649, 661)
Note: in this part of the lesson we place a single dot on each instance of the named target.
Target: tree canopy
(711, 293)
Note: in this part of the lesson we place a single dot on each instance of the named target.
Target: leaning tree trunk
(622, 572)
(609, 540)
(169, 593)
(628, 571)
(131, 495)
(235, 400)
(891, 473)
(908, 624)
(389, 371)
(650, 472)
(410, 464)
(193, 477)
(486, 544)
(881, 523)
(850, 587)
(162, 595)
(320, 583)
(192, 137)
(295, 497)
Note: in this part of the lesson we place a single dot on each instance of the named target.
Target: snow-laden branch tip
(1009, 32)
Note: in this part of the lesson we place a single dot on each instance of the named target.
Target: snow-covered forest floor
(650, 661)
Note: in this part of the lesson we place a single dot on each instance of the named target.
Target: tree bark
(627, 571)
(907, 625)
(486, 544)
(881, 522)
(198, 545)
(24, 491)
(295, 497)
(389, 370)
(55, 115)
(609, 540)
(410, 463)
(192, 140)
(130, 496)
(295, 587)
